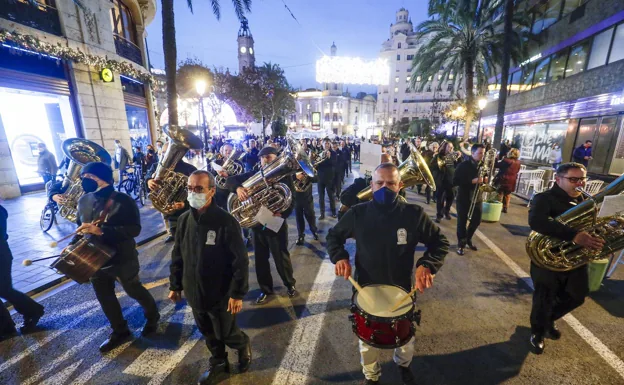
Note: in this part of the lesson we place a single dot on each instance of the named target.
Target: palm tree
(464, 40)
(170, 50)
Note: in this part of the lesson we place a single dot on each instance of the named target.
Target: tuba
(305, 165)
(80, 152)
(265, 189)
(558, 255)
(486, 170)
(231, 166)
(414, 171)
(173, 184)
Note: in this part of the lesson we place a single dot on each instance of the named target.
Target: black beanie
(99, 169)
(268, 150)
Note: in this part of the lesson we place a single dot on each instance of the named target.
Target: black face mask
(89, 185)
(151, 152)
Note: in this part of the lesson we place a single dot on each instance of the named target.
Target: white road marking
(299, 355)
(109, 357)
(599, 347)
(62, 376)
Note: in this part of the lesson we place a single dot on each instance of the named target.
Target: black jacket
(326, 168)
(443, 176)
(5, 251)
(346, 154)
(377, 230)
(251, 159)
(348, 197)
(464, 174)
(121, 227)
(209, 259)
(306, 196)
(547, 206)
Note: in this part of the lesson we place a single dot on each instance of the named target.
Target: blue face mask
(385, 196)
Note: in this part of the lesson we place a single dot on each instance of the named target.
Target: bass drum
(83, 259)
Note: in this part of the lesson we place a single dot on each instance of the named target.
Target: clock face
(107, 75)
(243, 49)
(251, 50)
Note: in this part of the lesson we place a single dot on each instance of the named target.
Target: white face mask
(197, 200)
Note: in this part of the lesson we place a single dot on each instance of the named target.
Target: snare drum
(375, 324)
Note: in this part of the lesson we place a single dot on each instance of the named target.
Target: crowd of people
(210, 263)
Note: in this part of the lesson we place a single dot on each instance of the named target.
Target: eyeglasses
(198, 189)
(575, 179)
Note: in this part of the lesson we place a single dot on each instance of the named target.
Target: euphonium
(231, 166)
(414, 171)
(80, 152)
(173, 184)
(558, 255)
(265, 189)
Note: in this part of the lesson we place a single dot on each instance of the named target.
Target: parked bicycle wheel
(47, 218)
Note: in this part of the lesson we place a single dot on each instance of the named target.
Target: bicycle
(48, 214)
(134, 183)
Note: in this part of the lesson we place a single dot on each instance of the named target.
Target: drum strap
(107, 207)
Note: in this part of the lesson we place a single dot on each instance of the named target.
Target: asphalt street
(474, 330)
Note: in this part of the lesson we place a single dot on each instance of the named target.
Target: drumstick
(28, 262)
(361, 291)
(400, 302)
(55, 243)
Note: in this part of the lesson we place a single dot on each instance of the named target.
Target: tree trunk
(502, 93)
(469, 73)
(171, 53)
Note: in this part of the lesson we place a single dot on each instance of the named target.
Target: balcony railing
(128, 50)
(41, 16)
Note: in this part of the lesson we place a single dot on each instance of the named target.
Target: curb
(64, 278)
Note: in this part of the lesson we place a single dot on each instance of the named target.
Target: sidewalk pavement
(27, 241)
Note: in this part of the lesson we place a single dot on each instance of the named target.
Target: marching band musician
(338, 170)
(428, 154)
(210, 264)
(265, 241)
(222, 194)
(251, 157)
(386, 231)
(304, 209)
(467, 179)
(171, 220)
(326, 170)
(558, 293)
(442, 167)
(121, 226)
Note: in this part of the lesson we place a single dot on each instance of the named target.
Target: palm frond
(216, 8)
(190, 5)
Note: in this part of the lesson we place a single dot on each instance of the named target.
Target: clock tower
(246, 53)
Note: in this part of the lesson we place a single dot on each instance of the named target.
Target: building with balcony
(48, 97)
(571, 88)
(398, 101)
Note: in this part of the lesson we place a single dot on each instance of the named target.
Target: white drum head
(383, 298)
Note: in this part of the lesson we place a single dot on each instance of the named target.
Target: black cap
(268, 150)
(99, 169)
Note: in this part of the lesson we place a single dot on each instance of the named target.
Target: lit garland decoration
(61, 52)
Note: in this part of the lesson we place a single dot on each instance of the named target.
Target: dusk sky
(358, 27)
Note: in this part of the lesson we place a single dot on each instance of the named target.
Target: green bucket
(491, 211)
(597, 271)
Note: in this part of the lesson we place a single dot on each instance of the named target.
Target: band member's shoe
(505, 210)
(407, 376)
(8, 333)
(370, 382)
(262, 298)
(471, 246)
(291, 291)
(322, 217)
(216, 372)
(300, 241)
(553, 333)
(447, 216)
(333, 215)
(461, 251)
(315, 235)
(150, 327)
(169, 239)
(244, 358)
(428, 201)
(30, 324)
(438, 219)
(537, 343)
(115, 340)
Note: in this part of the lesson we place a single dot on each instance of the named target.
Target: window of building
(398, 57)
(399, 45)
(557, 68)
(418, 78)
(526, 81)
(617, 52)
(123, 24)
(570, 5)
(409, 69)
(541, 73)
(335, 117)
(396, 89)
(439, 76)
(396, 80)
(451, 76)
(600, 49)
(407, 79)
(308, 106)
(578, 58)
(430, 78)
(410, 57)
(449, 87)
(514, 82)
(395, 100)
(408, 91)
(439, 87)
(429, 88)
(335, 86)
(327, 117)
(405, 110)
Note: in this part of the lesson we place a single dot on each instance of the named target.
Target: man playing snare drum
(386, 231)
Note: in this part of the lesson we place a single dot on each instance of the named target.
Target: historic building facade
(49, 94)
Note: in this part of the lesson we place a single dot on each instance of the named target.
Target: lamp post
(200, 87)
(458, 114)
(482, 103)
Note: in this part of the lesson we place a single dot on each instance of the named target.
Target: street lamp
(200, 87)
(482, 103)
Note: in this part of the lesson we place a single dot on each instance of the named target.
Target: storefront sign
(531, 59)
(617, 100)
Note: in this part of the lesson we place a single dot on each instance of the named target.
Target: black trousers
(22, 303)
(329, 187)
(266, 242)
(338, 177)
(348, 168)
(220, 330)
(127, 274)
(465, 229)
(444, 199)
(556, 294)
(428, 193)
(304, 211)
